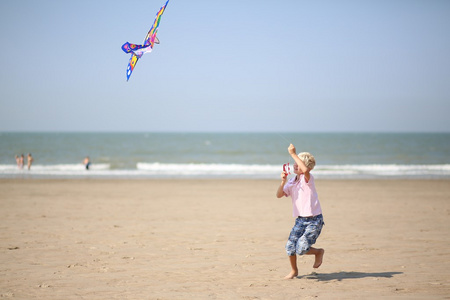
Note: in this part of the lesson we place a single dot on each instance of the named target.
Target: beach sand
(220, 239)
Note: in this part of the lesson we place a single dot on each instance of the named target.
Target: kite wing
(131, 64)
(151, 35)
(138, 50)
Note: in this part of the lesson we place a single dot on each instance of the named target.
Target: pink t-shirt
(305, 201)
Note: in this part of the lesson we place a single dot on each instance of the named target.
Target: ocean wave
(173, 170)
(208, 169)
(327, 171)
(386, 170)
(63, 169)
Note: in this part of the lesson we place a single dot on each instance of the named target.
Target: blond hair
(307, 159)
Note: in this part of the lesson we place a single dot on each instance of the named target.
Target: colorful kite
(138, 50)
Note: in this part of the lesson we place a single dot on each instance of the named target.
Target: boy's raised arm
(299, 162)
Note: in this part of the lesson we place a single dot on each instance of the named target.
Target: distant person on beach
(21, 161)
(29, 160)
(306, 210)
(18, 162)
(87, 162)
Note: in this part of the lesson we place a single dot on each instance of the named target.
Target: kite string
(284, 138)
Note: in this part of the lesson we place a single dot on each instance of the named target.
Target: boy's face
(297, 170)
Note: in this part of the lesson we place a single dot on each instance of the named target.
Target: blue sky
(226, 66)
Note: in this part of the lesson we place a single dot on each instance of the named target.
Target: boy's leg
(294, 271)
(319, 256)
(309, 238)
(296, 232)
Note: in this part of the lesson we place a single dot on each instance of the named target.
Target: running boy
(306, 210)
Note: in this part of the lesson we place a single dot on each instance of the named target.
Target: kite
(138, 50)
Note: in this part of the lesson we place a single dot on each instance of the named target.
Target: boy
(306, 210)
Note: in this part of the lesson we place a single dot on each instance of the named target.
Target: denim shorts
(304, 234)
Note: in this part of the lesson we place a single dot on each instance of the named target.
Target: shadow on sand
(339, 276)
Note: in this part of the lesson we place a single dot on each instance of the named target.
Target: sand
(220, 239)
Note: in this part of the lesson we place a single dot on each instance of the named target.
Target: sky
(226, 66)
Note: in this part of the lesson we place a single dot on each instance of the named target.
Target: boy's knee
(302, 250)
(290, 248)
(303, 246)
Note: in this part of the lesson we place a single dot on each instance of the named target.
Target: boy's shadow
(339, 276)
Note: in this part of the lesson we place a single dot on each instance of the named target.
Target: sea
(142, 155)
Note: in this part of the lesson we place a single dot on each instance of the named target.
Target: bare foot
(319, 258)
(291, 275)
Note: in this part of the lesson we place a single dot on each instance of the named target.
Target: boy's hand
(284, 176)
(280, 192)
(291, 149)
